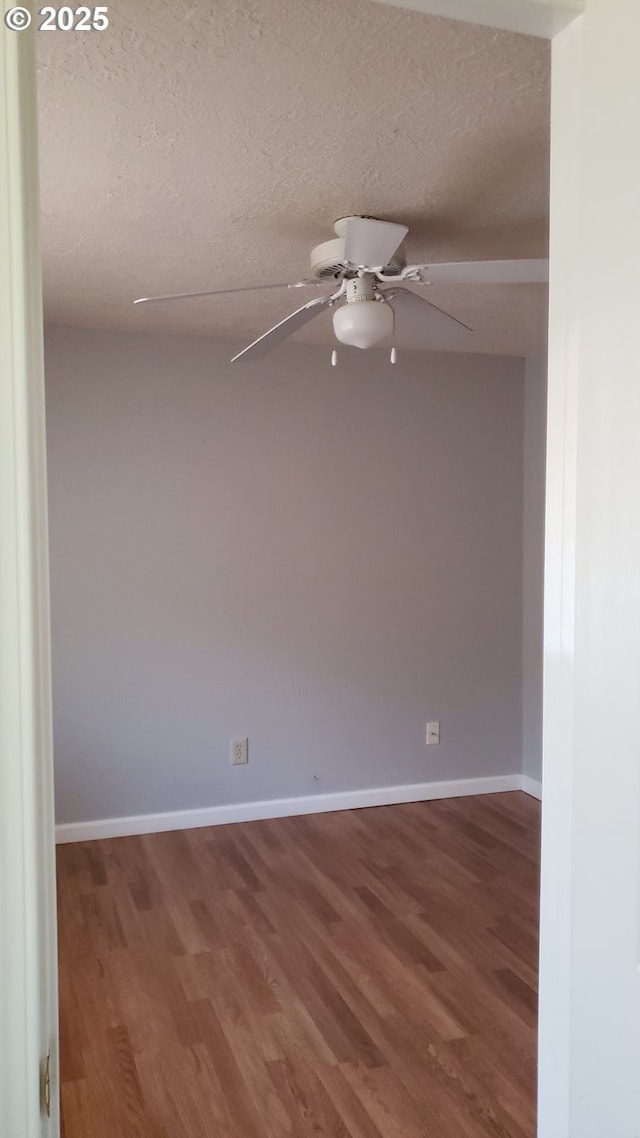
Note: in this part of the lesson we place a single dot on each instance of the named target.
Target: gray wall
(321, 559)
(535, 433)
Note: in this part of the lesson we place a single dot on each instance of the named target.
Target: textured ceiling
(208, 144)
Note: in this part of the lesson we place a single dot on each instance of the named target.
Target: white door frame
(28, 959)
(543, 18)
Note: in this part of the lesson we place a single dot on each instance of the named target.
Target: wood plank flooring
(364, 974)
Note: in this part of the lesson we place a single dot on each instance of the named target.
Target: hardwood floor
(364, 974)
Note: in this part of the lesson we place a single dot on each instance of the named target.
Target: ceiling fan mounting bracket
(340, 226)
(414, 273)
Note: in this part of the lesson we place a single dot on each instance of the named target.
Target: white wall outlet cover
(433, 733)
(239, 752)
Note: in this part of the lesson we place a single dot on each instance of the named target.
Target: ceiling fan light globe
(363, 324)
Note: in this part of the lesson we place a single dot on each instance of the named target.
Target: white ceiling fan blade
(285, 328)
(370, 243)
(488, 272)
(417, 317)
(222, 291)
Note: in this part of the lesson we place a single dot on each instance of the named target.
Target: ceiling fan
(366, 264)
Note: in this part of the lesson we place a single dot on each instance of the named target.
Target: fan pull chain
(334, 358)
(394, 354)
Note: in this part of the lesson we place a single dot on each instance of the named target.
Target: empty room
(296, 515)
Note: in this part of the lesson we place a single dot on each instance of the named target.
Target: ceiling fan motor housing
(328, 261)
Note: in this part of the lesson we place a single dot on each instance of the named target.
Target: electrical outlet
(239, 752)
(433, 733)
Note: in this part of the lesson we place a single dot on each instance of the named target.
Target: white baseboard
(530, 786)
(284, 807)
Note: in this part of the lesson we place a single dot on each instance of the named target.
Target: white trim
(28, 994)
(283, 808)
(543, 18)
(531, 786)
(589, 1039)
(566, 253)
